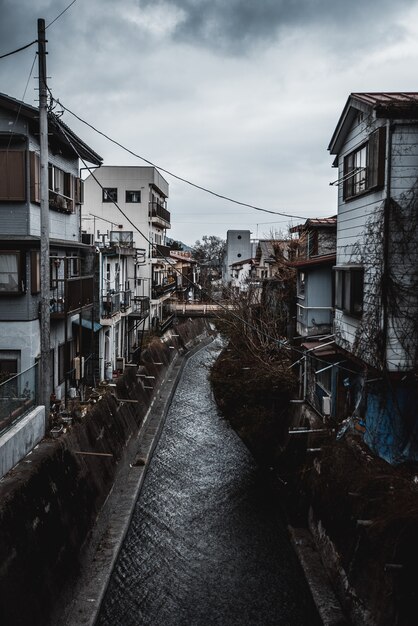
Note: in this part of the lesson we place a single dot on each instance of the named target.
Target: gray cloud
(238, 25)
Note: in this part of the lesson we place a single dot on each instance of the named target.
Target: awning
(87, 324)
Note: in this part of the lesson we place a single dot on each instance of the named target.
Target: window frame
(374, 167)
(301, 284)
(349, 284)
(20, 283)
(109, 194)
(129, 200)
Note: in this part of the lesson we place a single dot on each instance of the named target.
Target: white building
(133, 199)
(238, 248)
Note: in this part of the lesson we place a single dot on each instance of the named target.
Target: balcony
(158, 291)
(111, 304)
(160, 252)
(159, 215)
(61, 203)
(140, 307)
(122, 238)
(125, 300)
(69, 295)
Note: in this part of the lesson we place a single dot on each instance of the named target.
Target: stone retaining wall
(50, 501)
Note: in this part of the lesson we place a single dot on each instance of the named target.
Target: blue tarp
(392, 424)
(87, 324)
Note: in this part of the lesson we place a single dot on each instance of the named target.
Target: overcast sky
(239, 96)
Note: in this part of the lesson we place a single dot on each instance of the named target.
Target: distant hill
(185, 247)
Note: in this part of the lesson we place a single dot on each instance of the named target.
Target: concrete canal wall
(51, 500)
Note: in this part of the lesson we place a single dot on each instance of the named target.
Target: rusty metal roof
(314, 222)
(388, 98)
(386, 104)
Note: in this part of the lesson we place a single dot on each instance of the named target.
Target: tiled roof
(315, 221)
(67, 136)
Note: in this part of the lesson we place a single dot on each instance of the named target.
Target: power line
(28, 45)
(162, 169)
(21, 103)
(62, 13)
(278, 342)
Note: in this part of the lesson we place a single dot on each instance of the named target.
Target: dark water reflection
(206, 544)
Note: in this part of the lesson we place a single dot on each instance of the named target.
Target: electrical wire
(278, 342)
(62, 13)
(21, 104)
(162, 169)
(28, 45)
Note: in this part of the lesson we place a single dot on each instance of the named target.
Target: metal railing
(156, 210)
(125, 300)
(110, 303)
(18, 395)
(70, 294)
(140, 305)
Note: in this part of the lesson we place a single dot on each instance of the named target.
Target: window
(9, 367)
(133, 196)
(110, 194)
(349, 290)
(10, 272)
(301, 284)
(364, 168)
(12, 175)
(61, 363)
(61, 189)
(312, 243)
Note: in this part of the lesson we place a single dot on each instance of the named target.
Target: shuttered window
(12, 175)
(364, 168)
(35, 177)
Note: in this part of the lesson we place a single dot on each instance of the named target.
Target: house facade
(71, 280)
(71, 262)
(375, 145)
(315, 258)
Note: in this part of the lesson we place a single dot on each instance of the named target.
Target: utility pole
(44, 243)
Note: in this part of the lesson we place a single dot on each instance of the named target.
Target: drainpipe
(386, 242)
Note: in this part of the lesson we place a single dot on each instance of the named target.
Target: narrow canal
(207, 544)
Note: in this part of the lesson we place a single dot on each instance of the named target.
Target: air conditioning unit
(120, 363)
(87, 238)
(79, 367)
(326, 405)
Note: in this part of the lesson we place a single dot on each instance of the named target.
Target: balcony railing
(160, 214)
(125, 300)
(68, 295)
(111, 303)
(140, 306)
(18, 396)
(160, 252)
(61, 203)
(124, 238)
(160, 290)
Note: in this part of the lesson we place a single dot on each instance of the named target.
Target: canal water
(207, 543)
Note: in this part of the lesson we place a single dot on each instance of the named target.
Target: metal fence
(18, 395)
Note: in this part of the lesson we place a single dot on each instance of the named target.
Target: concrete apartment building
(127, 205)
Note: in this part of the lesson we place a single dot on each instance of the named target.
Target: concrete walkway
(117, 512)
